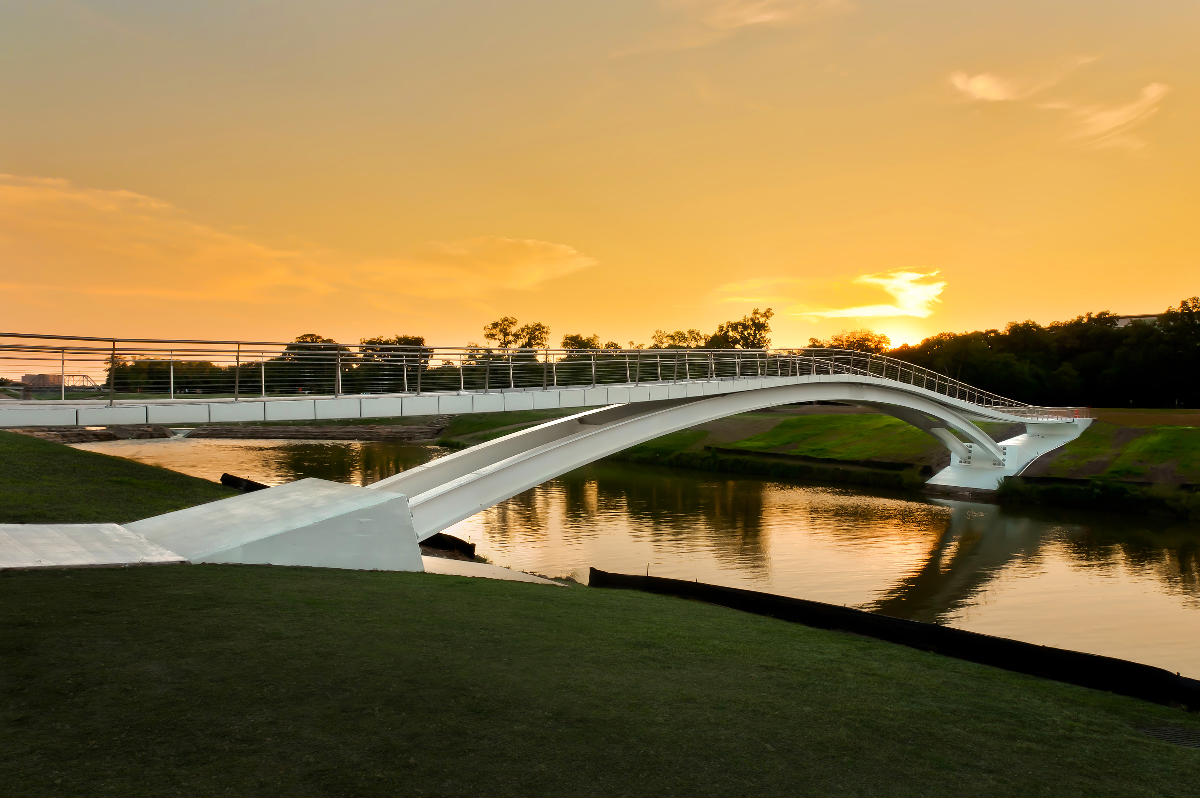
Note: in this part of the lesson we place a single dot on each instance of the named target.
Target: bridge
(624, 397)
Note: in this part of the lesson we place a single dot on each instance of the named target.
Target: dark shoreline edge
(1094, 671)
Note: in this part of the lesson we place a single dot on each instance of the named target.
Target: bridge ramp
(309, 522)
(78, 545)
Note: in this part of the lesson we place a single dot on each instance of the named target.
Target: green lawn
(1168, 454)
(867, 436)
(235, 680)
(42, 481)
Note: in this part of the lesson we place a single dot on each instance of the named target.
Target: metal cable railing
(64, 368)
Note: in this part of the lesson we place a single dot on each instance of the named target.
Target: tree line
(1098, 359)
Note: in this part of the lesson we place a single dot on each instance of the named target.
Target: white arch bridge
(625, 397)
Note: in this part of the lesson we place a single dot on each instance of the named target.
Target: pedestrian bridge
(624, 397)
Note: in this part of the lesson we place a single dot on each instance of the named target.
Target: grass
(233, 680)
(855, 437)
(46, 482)
(1107, 451)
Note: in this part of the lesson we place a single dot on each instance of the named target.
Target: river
(1126, 587)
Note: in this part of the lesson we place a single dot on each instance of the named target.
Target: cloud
(986, 87)
(989, 87)
(58, 237)
(1096, 125)
(699, 23)
(1103, 126)
(914, 294)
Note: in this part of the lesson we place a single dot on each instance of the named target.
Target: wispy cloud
(1103, 126)
(990, 87)
(112, 242)
(1093, 124)
(914, 294)
(699, 23)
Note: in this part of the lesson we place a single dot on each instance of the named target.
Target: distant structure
(1125, 321)
(43, 380)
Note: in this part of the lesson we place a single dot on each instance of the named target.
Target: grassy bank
(1132, 461)
(46, 482)
(234, 680)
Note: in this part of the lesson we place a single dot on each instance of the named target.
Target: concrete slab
(291, 410)
(382, 406)
(618, 395)
(571, 398)
(546, 400)
(78, 545)
(482, 570)
(238, 411)
(309, 522)
(102, 416)
(38, 416)
(487, 403)
(342, 407)
(177, 414)
(518, 400)
(454, 403)
(420, 405)
(595, 396)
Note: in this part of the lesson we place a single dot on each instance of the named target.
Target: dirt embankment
(122, 432)
(427, 431)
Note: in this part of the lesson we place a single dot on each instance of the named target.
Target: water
(1123, 586)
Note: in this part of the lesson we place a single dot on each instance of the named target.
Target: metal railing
(52, 367)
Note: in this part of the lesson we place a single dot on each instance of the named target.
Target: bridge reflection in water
(1126, 587)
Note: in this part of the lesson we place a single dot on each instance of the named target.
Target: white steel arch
(457, 486)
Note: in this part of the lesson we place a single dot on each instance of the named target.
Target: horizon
(376, 169)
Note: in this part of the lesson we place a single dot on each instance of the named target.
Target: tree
(749, 332)
(380, 348)
(505, 333)
(581, 341)
(858, 340)
(680, 339)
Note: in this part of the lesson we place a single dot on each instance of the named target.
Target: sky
(263, 168)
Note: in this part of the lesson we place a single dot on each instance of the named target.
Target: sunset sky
(261, 169)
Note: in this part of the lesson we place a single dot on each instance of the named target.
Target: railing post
(737, 364)
(658, 365)
(512, 380)
(554, 372)
(462, 380)
(545, 368)
(337, 375)
(171, 376)
(687, 364)
(637, 372)
(626, 367)
(419, 370)
(262, 374)
(62, 374)
(237, 371)
(593, 369)
(112, 374)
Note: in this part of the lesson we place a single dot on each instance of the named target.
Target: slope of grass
(865, 436)
(234, 680)
(1167, 454)
(46, 482)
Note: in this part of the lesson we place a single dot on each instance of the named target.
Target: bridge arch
(455, 487)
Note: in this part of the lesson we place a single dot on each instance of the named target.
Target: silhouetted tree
(858, 340)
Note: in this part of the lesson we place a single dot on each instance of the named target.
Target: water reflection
(1128, 588)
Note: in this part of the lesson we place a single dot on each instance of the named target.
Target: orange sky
(261, 169)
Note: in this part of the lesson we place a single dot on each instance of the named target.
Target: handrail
(136, 367)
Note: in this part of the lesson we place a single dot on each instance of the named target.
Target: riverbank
(238, 679)
(46, 482)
